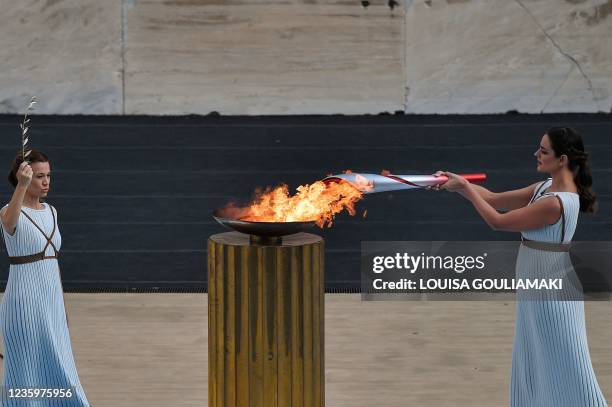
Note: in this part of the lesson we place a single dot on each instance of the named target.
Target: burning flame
(319, 202)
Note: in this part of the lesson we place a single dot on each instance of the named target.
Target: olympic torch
(374, 183)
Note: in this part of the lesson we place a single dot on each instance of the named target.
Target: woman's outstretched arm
(10, 214)
(543, 212)
(504, 200)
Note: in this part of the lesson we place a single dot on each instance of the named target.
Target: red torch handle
(473, 178)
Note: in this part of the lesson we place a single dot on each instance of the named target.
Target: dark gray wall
(135, 194)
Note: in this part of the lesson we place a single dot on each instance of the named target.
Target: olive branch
(24, 128)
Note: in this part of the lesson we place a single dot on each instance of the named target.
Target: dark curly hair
(34, 157)
(566, 141)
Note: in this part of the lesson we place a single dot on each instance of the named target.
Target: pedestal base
(265, 321)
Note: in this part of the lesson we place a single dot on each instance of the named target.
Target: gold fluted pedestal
(265, 321)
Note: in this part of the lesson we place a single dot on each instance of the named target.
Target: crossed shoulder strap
(562, 214)
(538, 190)
(537, 194)
(49, 242)
(562, 217)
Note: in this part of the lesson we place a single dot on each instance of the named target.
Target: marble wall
(66, 52)
(166, 57)
(486, 56)
(256, 57)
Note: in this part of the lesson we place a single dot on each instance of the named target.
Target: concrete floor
(138, 350)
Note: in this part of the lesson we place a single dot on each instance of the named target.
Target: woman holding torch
(551, 365)
(38, 361)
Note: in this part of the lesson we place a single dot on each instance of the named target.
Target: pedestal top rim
(242, 239)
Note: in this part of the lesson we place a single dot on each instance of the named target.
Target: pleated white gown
(37, 349)
(551, 365)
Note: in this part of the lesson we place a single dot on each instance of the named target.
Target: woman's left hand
(455, 183)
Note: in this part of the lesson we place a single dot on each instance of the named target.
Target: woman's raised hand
(24, 174)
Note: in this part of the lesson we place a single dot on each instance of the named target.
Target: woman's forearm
(11, 215)
(486, 211)
(483, 192)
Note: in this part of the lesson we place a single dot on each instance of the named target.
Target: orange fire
(319, 202)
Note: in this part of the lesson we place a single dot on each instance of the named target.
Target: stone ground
(149, 350)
